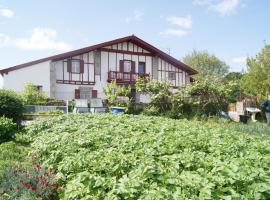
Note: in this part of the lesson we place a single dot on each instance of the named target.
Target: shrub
(207, 98)
(7, 129)
(32, 96)
(159, 91)
(11, 105)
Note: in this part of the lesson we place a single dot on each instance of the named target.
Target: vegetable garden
(143, 157)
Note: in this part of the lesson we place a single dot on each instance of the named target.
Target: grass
(256, 128)
(13, 153)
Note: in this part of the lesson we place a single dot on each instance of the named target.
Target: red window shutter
(121, 66)
(81, 66)
(133, 67)
(94, 93)
(77, 94)
(69, 64)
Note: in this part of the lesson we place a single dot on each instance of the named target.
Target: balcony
(124, 77)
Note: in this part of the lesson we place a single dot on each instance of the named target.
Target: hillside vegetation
(139, 157)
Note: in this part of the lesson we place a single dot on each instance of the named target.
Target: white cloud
(6, 12)
(239, 60)
(40, 38)
(175, 32)
(137, 16)
(225, 7)
(185, 22)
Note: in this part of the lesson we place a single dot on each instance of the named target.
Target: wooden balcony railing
(124, 77)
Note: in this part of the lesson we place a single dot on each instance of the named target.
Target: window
(75, 67)
(141, 68)
(127, 66)
(85, 93)
(171, 76)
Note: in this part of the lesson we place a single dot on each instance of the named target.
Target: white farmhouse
(83, 73)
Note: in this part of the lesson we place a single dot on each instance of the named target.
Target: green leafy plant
(256, 82)
(208, 65)
(160, 93)
(207, 98)
(7, 129)
(11, 105)
(54, 102)
(117, 95)
(144, 157)
(50, 112)
(32, 96)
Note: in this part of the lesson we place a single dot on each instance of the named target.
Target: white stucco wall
(38, 74)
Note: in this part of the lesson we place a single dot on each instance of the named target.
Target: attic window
(75, 67)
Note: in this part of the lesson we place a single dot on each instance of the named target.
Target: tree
(233, 81)
(32, 96)
(256, 81)
(208, 98)
(208, 66)
(233, 76)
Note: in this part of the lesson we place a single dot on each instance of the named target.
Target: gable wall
(38, 74)
(110, 61)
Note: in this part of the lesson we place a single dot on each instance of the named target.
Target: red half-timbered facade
(83, 73)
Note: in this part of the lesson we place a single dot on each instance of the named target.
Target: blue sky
(230, 29)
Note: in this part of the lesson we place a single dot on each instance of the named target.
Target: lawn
(139, 157)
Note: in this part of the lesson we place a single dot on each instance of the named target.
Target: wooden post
(67, 106)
